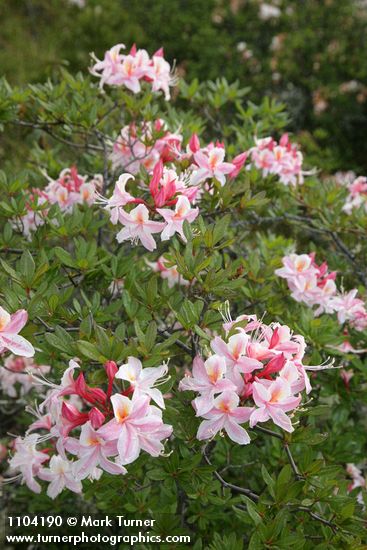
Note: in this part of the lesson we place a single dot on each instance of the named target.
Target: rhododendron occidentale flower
(211, 165)
(208, 379)
(274, 399)
(120, 198)
(129, 70)
(143, 380)
(27, 459)
(94, 450)
(357, 197)
(60, 474)
(175, 218)
(19, 371)
(226, 415)
(102, 431)
(132, 419)
(138, 226)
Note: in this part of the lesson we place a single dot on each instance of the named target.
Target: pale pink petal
(128, 445)
(17, 321)
(209, 428)
(280, 418)
(236, 432)
(17, 344)
(259, 415)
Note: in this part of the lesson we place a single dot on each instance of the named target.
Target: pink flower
(93, 450)
(274, 399)
(129, 74)
(226, 415)
(352, 309)
(238, 163)
(120, 198)
(235, 352)
(209, 379)
(10, 325)
(139, 227)
(151, 441)
(137, 146)
(357, 477)
(160, 75)
(211, 165)
(109, 69)
(174, 218)
(28, 460)
(296, 265)
(87, 193)
(357, 197)
(60, 475)
(67, 386)
(132, 420)
(143, 380)
(309, 283)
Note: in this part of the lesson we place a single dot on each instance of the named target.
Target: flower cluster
(357, 197)
(164, 204)
(68, 189)
(255, 374)
(18, 372)
(129, 70)
(105, 429)
(166, 189)
(282, 159)
(208, 162)
(313, 285)
(144, 146)
(10, 326)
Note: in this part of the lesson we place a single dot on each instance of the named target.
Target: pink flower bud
(194, 143)
(96, 418)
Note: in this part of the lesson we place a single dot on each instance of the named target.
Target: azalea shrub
(183, 311)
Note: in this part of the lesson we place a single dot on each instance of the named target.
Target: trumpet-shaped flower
(60, 474)
(109, 68)
(120, 197)
(138, 226)
(160, 75)
(274, 399)
(93, 450)
(28, 460)
(143, 380)
(209, 379)
(131, 418)
(226, 415)
(174, 218)
(211, 165)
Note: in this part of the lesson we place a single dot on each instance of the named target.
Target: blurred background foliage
(310, 54)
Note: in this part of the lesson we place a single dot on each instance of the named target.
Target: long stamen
(327, 364)
(42, 380)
